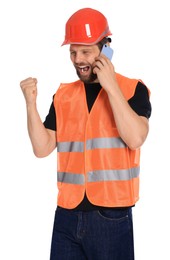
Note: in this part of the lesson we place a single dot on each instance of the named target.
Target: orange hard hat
(86, 26)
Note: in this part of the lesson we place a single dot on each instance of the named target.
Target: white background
(31, 32)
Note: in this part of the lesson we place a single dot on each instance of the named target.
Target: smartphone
(107, 51)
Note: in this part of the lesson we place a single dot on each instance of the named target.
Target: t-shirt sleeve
(140, 102)
(50, 120)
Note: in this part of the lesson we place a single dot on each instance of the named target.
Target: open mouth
(83, 69)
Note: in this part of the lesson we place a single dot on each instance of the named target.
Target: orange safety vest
(92, 157)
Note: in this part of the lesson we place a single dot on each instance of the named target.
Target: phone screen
(107, 51)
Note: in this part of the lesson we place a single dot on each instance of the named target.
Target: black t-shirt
(140, 103)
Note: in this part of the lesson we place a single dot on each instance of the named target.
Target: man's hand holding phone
(104, 68)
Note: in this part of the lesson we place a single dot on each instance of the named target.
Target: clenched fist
(29, 89)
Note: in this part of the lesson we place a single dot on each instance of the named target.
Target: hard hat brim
(89, 42)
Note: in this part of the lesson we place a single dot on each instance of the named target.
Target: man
(99, 124)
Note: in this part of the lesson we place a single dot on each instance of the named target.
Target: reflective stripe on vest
(102, 143)
(96, 143)
(102, 175)
(113, 175)
(71, 178)
(70, 147)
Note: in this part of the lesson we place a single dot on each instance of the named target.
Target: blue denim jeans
(94, 235)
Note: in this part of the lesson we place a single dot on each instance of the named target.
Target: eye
(72, 53)
(86, 52)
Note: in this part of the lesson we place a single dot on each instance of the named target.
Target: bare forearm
(41, 140)
(133, 129)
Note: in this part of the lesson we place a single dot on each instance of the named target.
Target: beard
(87, 79)
(90, 78)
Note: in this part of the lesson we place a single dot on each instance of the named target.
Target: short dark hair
(103, 41)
